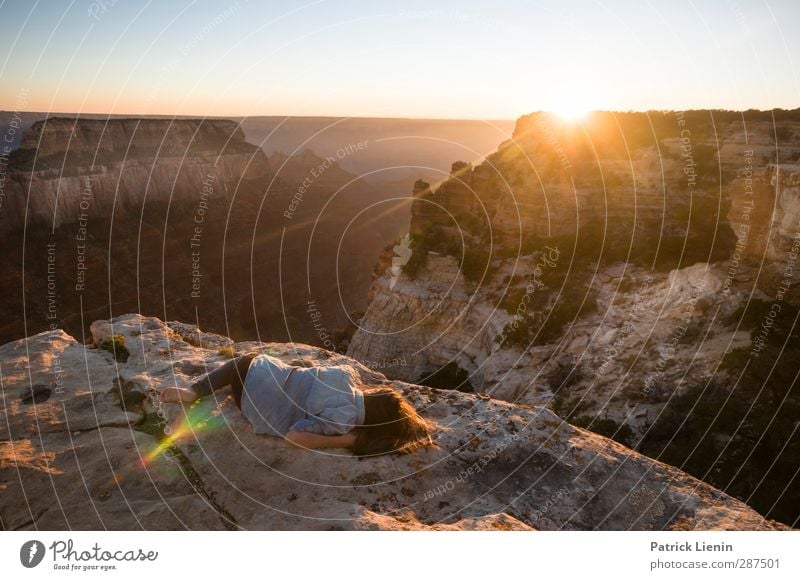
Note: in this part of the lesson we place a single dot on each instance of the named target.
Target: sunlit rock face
(620, 271)
(598, 209)
(85, 445)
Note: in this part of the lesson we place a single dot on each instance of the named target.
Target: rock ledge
(82, 446)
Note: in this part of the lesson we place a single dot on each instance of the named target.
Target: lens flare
(198, 418)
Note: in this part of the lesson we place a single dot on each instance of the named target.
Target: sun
(571, 113)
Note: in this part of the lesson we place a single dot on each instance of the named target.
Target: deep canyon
(609, 307)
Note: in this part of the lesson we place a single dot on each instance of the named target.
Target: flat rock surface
(84, 444)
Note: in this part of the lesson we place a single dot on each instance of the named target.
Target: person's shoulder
(342, 369)
(266, 360)
(340, 376)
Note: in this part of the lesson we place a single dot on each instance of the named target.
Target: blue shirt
(278, 398)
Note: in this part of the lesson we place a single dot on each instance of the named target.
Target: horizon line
(372, 117)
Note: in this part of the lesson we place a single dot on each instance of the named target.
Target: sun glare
(571, 113)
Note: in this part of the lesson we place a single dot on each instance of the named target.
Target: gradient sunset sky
(447, 59)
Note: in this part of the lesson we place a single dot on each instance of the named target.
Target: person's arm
(308, 440)
(330, 421)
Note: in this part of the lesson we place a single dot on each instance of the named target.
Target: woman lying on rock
(314, 407)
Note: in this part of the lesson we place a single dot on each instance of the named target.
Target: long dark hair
(391, 425)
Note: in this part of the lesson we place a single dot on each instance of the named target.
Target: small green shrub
(513, 299)
(570, 306)
(693, 334)
(734, 360)
(518, 332)
(546, 327)
(116, 346)
(433, 238)
(750, 314)
(417, 261)
(475, 264)
(567, 406)
(227, 352)
(565, 376)
(474, 224)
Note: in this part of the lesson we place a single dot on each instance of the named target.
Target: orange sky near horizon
(463, 60)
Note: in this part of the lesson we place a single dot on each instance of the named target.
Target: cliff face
(628, 273)
(622, 357)
(628, 177)
(81, 429)
(185, 219)
(658, 192)
(83, 168)
(115, 139)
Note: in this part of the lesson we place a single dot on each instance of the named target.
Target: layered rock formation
(85, 445)
(625, 183)
(394, 152)
(186, 219)
(67, 169)
(622, 271)
(632, 177)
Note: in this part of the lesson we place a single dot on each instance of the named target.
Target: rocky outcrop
(84, 444)
(621, 271)
(113, 137)
(765, 214)
(633, 177)
(421, 325)
(592, 197)
(70, 169)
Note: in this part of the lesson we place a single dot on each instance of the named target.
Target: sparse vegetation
(749, 314)
(694, 333)
(116, 346)
(512, 300)
(543, 327)
(742, 436)
(747, 450)
(227, 352)
(417, 261)
(476, 265)
(783, 134)
(420, 245)
(565, 376)
(566, 405)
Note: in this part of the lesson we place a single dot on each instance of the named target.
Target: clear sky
(459, 59)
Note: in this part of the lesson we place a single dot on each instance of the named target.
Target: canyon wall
(185, 218)
(627, 271)
(66, 169)
(661, 191)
